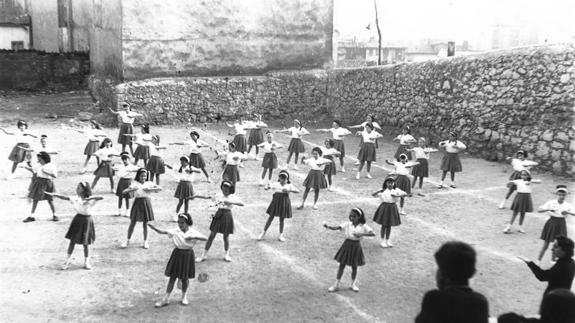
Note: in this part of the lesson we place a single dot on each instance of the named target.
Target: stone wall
(32, 70)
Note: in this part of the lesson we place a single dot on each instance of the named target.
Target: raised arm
(60, 196)
(114, 112)
(198, 196)
(374, 194)
(7, 132)
(387, 161)
(332, 227)
(156, 229)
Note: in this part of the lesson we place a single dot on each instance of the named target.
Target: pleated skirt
(82, 230)
(156, 165)
(451, 163)
(197, 160)
(18, 154)
(142, 152)
(241, 143)
(123, 184)
(387, 214)
(142, 210)
(522, 203)
(329, 169)
(222, 222)
(231, 173)
(270, 161)
(315, 180)
(296, 146)
(185, 190)
(91, 147)
(182, 264)
(280, 206)
(421, 169)
(553, 228)
(339, 146)
(367, 152)
(104, 169)
(403, 183)
(402, 149)
(125, 129)
(350, 253)
(38, 187)
(256, 137)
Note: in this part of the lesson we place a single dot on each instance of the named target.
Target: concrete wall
(81, 25)
(10, 34)
(106, 40)
(44, 15)
(224, 37)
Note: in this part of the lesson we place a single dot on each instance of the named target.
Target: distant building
(14, 26)
(354, 53)
(433, 48)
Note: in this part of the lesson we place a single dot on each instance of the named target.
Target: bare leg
(171, 283)
(340, 271)
(14, 166)
(543, 249)
(112, 184)
(368, 168)
(95, 181)
(180, 202)
(86, 251)
(186, 205)
(145, 225)
(289, 157)
(226, 242)
(281, 225)
(353, 272)
(315, 196)
(131, 229)
(210, 240)
(269, 222)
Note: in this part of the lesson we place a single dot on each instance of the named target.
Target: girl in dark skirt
(329, 170)
(281, 205)
(270, 161)
(402, 180)
(256, 136)
(142, 209)
(557, 210)
(350, 253)
(21, 150)
(185, 190)
(315, 178)
(156, 165)
(144, 140)
(421, 169)
(338, 133)
(405, 139)
(81, 230)
(367, 151)
(387, 214)
(222, 220)
(523, 201)
(127, 117)
(196, 158)
(42, 184)
(239, 141)
(125, 172)
(295, 145)
(94, 134)
(519, 163)
(181, 264)
(232, 159)
(105, 154)
(450, 162)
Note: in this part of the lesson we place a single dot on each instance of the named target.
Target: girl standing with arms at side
(421, 169)
(315, 178)
(329, 170)
(402, 181)
(519, 164)
(338, 134)
(367, 151)
(523, 201)
(43, 183)
(105, 154)
(181, 264)
(450, 162)
(405, 139)
(556, 225)
(125, 171)
(350, 253)
(143, 141)
(233, 158)
(223, 221)
(185, 190)
(81, 230)
(127, 117)
(295, 145)
(196, 158)
(142, 209)
(256, 137)
(387, 214)
(281, 205)
(23, 140)
(270, 161)
(156, 165)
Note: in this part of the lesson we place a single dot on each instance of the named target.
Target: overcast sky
(411, 20)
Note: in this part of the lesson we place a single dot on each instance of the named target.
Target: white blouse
(195, 146)
(452, 147)
(239, 129)
(329, 151)
(401, 168)
(185, 176)
(339, 133)
(422, 153)
(140, 192)
(144, 139)
(297, 132)
(349, 229)
(128, 116)
(268, 147)
(82, 206)
(277, 187)
(123, 171)
(316, 164)
(220, 199)
(104, 153)
(371, 136)
(521, 165)
(234, 158)
(523, 186)
(179, 238)
(386, 196)
(22, 137)
(405, 139)
(374, 124)
(154, 151)
(43, 170)
(557, 208)
(94, 134)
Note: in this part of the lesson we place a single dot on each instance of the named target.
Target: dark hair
(125, 155)
(402, 157)
(231, 145)
(105, 141)
(44, 136)
(140, 171)
(86, 189)
(566, 245)
(454, 134)
(22, 123)
(528, 174)
(408, 129)
(372, 117)
(456, 261)
(44, 156)
(330, 143)
(186, 217)
(146, 128)
(298, 122)
(370, 125)
(359, 212)
(558, 306)
(389, 179)
(284, 173)
(187, 160)
(195, 133)
(338, 122)
(317, 150)
(156, 138)
(522, 152)
(230, 185)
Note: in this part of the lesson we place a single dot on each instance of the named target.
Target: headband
(298, 122)
(522, 152)
(452, 133)
(186, 158)
(226, 184)
(561, 188)
(285, 173)
(358, 210)
(402, 156)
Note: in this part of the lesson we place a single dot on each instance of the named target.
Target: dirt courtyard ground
(267, 280)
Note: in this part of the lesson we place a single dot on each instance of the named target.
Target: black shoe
(55, 218)
(29, 219)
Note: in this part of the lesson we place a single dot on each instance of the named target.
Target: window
(17, 45)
